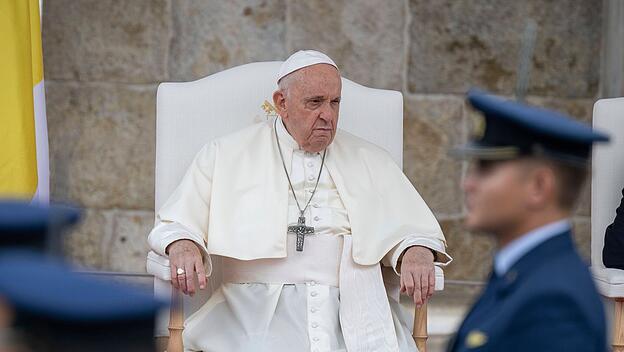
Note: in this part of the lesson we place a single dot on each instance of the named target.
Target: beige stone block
(106, 40)
(84, 244)
(433, 125)
(582, 236)
(364, 38)
(472, 253)
(210, 36)
(102, 144)
(128, 248)
(579, 109)
(458, 44)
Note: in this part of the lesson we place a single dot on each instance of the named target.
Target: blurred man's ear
(542, 188)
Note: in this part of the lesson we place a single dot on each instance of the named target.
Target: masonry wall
(104, 59)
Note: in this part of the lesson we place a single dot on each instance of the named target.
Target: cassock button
(313, 310)
(313, 294)
(314, 325)
(311, 178)
(315, 339)
(310, 164)
(316, 218)
(312, 283)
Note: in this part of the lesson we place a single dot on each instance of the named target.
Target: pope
(304, 237)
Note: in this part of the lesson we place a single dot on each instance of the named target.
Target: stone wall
(104, 58)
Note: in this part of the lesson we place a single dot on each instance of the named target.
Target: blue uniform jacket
(546, 302)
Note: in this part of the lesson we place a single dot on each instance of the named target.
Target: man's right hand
(185, 254)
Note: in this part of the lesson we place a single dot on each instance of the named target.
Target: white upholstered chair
(191, 114)
(607, 183)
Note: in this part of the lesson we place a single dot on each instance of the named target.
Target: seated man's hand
(186, 255)
(417, 274)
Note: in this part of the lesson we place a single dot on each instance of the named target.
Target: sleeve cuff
(158, 266)
(165, 234)
(441, 257)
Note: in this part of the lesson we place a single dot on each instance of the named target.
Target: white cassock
(235, 202)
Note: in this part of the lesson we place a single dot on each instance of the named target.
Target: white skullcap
(301, 59)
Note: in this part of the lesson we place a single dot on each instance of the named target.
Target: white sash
(365, 316)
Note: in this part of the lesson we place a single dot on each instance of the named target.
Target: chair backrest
(607, 173)
(191, 114)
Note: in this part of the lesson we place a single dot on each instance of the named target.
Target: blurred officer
(45, 307)
(527, 170)
(53, 309)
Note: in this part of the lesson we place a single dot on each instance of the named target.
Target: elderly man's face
(310, 105)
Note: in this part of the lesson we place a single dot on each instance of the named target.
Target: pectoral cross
(301, 230)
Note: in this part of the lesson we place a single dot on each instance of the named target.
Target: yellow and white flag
(24, 165)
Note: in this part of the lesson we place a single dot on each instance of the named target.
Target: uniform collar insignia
(476, 339)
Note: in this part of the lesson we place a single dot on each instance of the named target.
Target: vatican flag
(24, 168)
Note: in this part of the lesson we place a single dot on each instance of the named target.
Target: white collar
(284, 136)
(286, 139)
(511, 253)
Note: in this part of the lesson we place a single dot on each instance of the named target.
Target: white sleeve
(391, 259)
(165, 233)
(186, 212)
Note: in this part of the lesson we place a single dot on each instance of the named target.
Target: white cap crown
(301, 59)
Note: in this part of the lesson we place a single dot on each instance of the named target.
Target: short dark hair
(570, 181)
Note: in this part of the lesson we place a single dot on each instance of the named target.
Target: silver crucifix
(301, 230)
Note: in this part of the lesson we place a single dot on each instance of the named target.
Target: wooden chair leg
(618, 325)
(176, 322)
(419, 333)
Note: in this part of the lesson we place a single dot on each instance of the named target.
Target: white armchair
(191, 114)
(607, 182)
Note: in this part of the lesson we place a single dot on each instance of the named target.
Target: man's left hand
(417, 274)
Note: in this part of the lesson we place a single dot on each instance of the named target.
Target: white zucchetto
(301, 59)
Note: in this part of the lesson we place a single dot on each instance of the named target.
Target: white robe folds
(276, 299)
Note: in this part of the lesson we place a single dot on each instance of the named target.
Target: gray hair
(286, 82)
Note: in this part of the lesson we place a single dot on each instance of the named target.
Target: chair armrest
(609, 282)
(439, 278)
(158, 266)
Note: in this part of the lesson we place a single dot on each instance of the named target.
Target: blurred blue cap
(45, 287)
(35, 226)
(511, 129)
(72, 311)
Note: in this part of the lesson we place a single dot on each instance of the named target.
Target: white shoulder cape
(235, 195)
